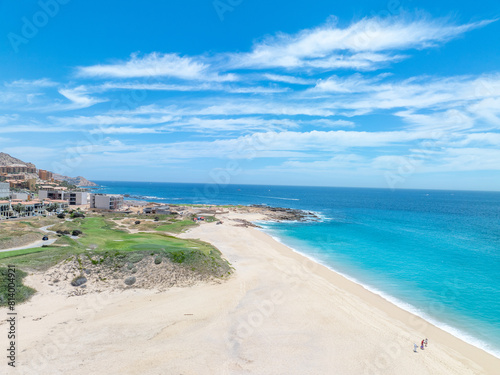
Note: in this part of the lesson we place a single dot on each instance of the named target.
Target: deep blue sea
(435, 253)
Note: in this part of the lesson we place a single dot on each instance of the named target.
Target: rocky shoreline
(280, 214)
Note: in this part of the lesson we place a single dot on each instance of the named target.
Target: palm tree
(18, 208)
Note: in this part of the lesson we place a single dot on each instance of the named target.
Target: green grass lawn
(176, 226)
(102, 237)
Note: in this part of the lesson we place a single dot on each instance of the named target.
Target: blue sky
(397, 94)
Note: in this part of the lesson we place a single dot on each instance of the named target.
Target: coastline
(411, 321)
(280, 312)
(412, 309)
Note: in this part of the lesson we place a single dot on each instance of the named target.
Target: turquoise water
(435, 253)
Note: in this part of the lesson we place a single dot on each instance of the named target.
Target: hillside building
(45, 175)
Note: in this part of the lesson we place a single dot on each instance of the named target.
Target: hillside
(78, 181)
(6, 159)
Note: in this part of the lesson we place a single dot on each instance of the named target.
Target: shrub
(130, 280)
(137, 222)
(135, 258)
(79, 280)
(22, 293)
(61, 215)
(76, 232)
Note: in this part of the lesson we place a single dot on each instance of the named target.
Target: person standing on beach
(415, 347)
(422, 345)
(425, 342)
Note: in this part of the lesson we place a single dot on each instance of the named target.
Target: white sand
(278, 314)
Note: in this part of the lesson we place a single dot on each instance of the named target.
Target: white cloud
(355, 83)
(288, 79)
(110, 120)
(313, 141)
(24, 83)
(360, 45)
(79, 98)
(249, 107)
(341, 161)
(155, 65)
(450, 120)
(324, 122)
(125, 130)
(200, 125)
(469, 159)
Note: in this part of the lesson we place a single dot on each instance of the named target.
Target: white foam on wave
(267, 196)
(150, 197)
(462, 335)
(319, 214)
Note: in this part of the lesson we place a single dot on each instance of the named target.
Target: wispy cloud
(155, 65)
(110, 120)
(289, 79)
(24, 83)
(79, 98)
(362, 45)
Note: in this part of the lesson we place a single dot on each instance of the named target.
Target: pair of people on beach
(422, 344)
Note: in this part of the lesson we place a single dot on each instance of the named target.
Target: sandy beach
(279, 313)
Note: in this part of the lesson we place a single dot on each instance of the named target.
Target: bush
(22, 293)
(79, 280)
(157, 218)
(158, 260)
(135, 257)
(61, 215)
(137, 222)
(130, 280)
(76, 232)
(76, 214)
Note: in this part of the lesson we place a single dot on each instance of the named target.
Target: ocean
(434, 253)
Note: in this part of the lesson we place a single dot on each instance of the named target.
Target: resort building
(18, 168)
(77, 198)
(17, 176)
(22, 184)
(5, 210)
(45, 175)
(106, 201)
(31, 208)
(61, 204)
(20, 196)
(4, 190)
(51, 194)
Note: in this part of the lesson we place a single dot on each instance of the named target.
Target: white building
(106, 201)
(77, 198)
(4, 190)
(74, 198)
(51, 194)
(22, 196)
(5, 209)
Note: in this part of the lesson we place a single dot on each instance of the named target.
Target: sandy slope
(279, 314)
